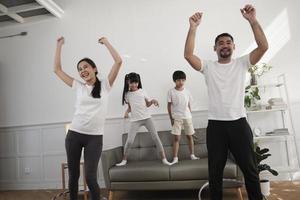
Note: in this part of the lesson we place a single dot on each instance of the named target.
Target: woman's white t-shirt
(226, 88)
(90, 112)
(137, 101)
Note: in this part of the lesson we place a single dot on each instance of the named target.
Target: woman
(86, 130)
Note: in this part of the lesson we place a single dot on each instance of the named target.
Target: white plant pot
(265, 187)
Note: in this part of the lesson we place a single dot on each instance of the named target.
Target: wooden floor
(279, 191)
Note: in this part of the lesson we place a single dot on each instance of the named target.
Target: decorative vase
(255, 105)
(253, 80)
(265, 187)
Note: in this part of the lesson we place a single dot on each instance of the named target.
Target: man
(228, 128)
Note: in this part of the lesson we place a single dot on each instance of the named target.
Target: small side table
(64, 166)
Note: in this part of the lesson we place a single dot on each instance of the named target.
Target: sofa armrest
(110, 158)
(240, 175)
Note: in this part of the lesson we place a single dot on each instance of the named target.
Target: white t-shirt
(180, 101)
(137, 101)
(226, 88)
(90, 112)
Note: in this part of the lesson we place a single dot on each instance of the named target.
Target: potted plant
(251, 91)
(262, 154)
(251, 97)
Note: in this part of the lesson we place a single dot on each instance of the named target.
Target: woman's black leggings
(92, 145)
(235, 136)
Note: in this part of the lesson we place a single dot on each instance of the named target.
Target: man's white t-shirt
(226, 88)
(137, 101)
(90, 112)
(180, 101)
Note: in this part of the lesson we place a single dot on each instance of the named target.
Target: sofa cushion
(140, 171)
(198, 170)
(143, 148)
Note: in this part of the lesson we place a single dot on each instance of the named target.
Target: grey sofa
(144, 170)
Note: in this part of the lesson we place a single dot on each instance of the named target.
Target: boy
(179, 110)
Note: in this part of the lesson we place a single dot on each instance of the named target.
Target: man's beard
(225, 53)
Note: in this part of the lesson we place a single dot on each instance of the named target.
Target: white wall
(154, 31)
(151, 30)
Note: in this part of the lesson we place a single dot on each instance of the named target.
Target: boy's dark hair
(223, 35)
(132, 78)
(179, 75)
(96, 92)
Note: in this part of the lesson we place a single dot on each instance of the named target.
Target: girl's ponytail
(126, 88)
(140, 82)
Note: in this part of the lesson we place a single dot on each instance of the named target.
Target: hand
(60, 41)
(172, 122)
(102, 40)
(249, 13)
(154, 102)
(126, 115)
(195, 19)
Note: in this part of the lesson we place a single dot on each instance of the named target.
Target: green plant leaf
(247, 101)
(263, 151)
(260, 155)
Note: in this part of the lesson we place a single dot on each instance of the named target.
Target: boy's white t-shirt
(90, 113)
(180, 101)
(137, 101)
(226, 88)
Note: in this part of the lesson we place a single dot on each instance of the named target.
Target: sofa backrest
(144, 148)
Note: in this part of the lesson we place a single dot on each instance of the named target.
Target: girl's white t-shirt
(226, 88)
(180, 103)
(137, 101)
(90, 112)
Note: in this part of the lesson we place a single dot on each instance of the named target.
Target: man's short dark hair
(223, 35)
(179, 75)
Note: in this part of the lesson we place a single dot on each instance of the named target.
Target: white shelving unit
(286, 118)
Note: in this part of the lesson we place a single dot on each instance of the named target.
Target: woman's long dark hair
(130, 78)
(96, 92)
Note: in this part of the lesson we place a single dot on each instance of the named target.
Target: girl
(86, 129)
(138, 101)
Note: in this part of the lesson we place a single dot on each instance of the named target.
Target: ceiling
(13, 12)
